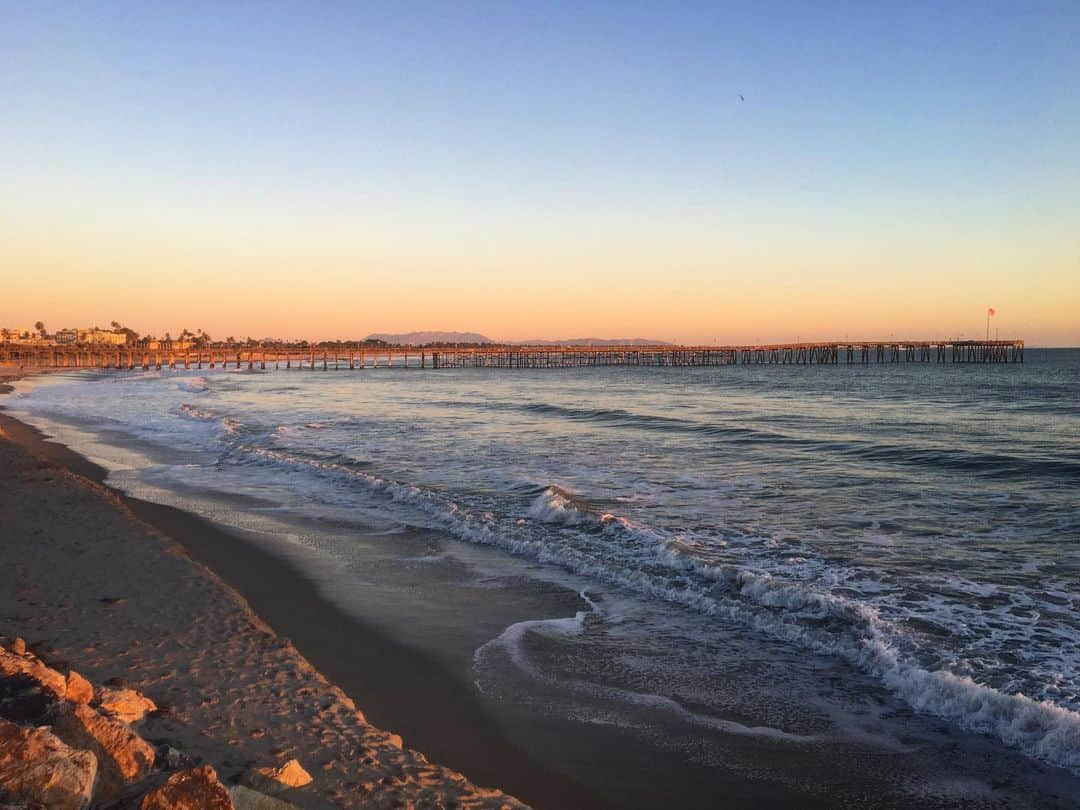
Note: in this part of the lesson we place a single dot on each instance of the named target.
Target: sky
(697, 172)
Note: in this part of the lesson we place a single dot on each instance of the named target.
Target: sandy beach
(93, 586)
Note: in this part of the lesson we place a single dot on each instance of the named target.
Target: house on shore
(101, 337)
(20, 336)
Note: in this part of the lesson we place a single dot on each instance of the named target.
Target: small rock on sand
(123, 755)
(273, 780)
(79, 689)
(126, 705)
(38, 768)
(194, 789)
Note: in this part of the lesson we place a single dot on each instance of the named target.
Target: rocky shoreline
(69, 745)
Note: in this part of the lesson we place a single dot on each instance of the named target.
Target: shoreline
(398, 689)
(406, 651)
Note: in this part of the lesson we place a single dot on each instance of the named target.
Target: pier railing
(521, 357)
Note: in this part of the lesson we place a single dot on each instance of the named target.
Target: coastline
(395, 687)
(406, 647)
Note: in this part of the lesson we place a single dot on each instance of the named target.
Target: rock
(244, 798)
(274, 780)
(36, 767)
(30, 666)
(125, 705)
(194, 789)
(18, 646)
(79, 689)
(123, 755)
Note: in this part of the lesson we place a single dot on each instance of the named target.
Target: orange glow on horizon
(264, 285)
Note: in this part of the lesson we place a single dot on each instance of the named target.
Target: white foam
(776, 607)
(555, 506)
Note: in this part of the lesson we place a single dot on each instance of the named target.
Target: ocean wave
(657, 565)
(998, 465)
(560, 507)
(228, 425)
(1040, 729)
(512, 642)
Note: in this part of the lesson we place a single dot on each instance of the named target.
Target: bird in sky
(741, 97)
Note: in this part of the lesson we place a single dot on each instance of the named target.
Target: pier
(842, 353)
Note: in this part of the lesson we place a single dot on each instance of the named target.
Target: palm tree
(40, 327)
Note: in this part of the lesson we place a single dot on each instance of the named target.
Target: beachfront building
(66, 337)
(21, 336)
(153, 344)
(102, 337)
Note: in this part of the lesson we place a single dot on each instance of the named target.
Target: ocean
(844, 581)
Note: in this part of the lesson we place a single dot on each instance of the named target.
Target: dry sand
(90, 585)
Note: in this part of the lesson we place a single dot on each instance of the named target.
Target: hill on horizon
(420, 338)
(424, 337)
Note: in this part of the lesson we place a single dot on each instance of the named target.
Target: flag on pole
(990, 312)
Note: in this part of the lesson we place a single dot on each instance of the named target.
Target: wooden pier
(521, 357)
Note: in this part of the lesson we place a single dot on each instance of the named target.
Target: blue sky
(543, 122)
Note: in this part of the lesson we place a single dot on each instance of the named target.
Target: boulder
(123, 755)
(37, 768)
(126, 705)
(273, 780)
(18, 646)
(30, 666)
(244, 798)
(194, 789)
(78, 689)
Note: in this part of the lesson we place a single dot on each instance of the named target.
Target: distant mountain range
(421, 338)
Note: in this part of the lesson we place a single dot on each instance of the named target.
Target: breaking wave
(617, 551)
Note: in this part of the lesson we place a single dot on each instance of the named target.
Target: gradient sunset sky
(526, 170)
